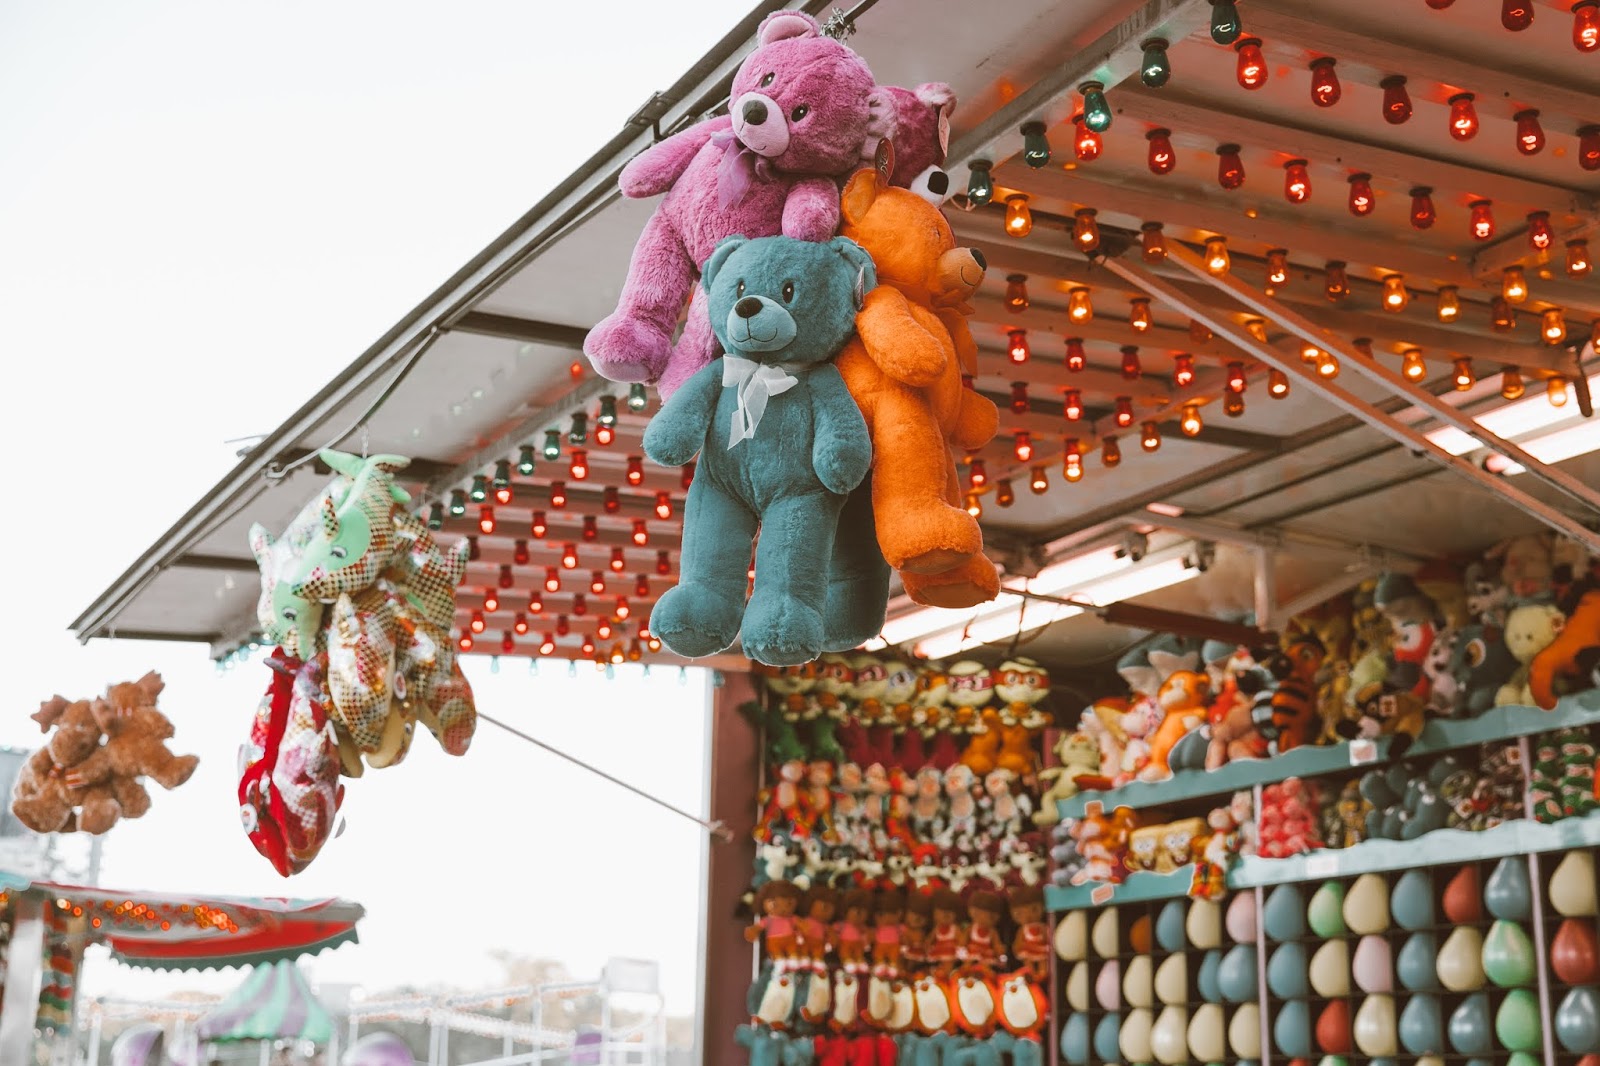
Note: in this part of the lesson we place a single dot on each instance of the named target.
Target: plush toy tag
(1363, 751)
(1102, 895)
(883, 159)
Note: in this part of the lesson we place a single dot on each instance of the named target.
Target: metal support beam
(1326, 591)
(510, 327)
(1225, 327)
(1270, 539)
(24, 971)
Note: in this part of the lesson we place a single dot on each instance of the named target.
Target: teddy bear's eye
(767, 79)
(799, 113)
(738, 290)
(788, 291)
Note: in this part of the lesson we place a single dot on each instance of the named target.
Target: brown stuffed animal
(904, 370)
(138, 749)
(62, 785)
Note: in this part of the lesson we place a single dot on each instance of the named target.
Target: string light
(1085, 231)
(1463, 117)
(525, 464)
(486, 519)
(1555, 390)
(1004, 494)
(1072, 462)
(1502, 316)
(1150, 437)
(1124, 411)
(1511, 387)
(547, 646)
(552, 444)
(1019, 398)
(1335, 281)
(1423, 215)
(1277, 384)
(1155, 69)
(1233, 404)
(1328, 365)
(1017, 345)
(436, 516)
(1516, 15)
(580, 605)
(540, 527)
(580, 465)
(1462, 377)
(1589, 147)
(611, 500)
(597, 582)
(1217, 259)
(1035, 146)
(974, 505)
(641, 585)
(1110, 452)
(1361, 198)
(618, 561)
(1086, 143)
(1514, 285)
(558, 495)
(591, 528)
(1199, 332)
(602, 629)
(569, 556)
(1578, 264)
(1449, 303)
(1296, 181)
(520, 623)
(474, 552)
(1075, 358)
(663, 563)
(1325, 88)
(977, 476)
(1236, 378)
(502, 481)
(506, 580)
(1252, 65)
(1038, 481)
(1224, 21)
(1230, 168)
(1554, 326)
(1131, 368)
(1022, 445)
(579, 431)
(1139, 315)
(1153, 242)
(1586, 25)
(588, 645)
(1412, 368)
(1482, 220)
(465, 642)
(1277, 267)
(1540, 236)
(1191, 423)
(980, 185)
(1079, 307)
(1257, 328)
(1395, 296)
(1096, 112)
(1016, 293)
(641, 532)
(1396, 100)
(480, 489)
(477, 624)
(1530, 135)
(1183, 370)
(1072, 405)
(635, 471)
(1019, 220)
(1160, 158)
(604, 434)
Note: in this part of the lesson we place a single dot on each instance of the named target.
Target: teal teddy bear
(781, 445)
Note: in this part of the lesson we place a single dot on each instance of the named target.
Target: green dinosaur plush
(781, 445)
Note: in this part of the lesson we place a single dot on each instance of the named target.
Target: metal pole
(24, 972)
(96, 1024)
(1224, 327)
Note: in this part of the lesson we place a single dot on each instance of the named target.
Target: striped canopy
(274, 1003)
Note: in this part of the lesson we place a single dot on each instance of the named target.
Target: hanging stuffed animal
(780, 444)
(803, 111)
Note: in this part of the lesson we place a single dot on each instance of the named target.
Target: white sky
(207, 210)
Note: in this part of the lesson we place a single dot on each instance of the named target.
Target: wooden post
(733, 768)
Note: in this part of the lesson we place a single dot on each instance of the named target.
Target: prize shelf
(1440, 735)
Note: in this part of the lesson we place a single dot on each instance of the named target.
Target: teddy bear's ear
(719, 256)
(859, 194)
(785, 25)
(942, 98)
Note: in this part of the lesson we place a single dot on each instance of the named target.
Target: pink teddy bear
(804, 111)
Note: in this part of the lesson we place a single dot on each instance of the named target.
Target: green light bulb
(580, 428)
(502, 474)
(980, 187)
(1035, 146)
(1096, 112)
(525, 461)
(608, 411)
(436, 517)
(1155, 70)
(480, 489)
(1225, 25)
(552, 444)
(458, 503)
(637, 400)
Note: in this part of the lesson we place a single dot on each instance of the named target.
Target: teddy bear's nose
(749, 307)
(938, 183)
(983, 264)
(755, 112)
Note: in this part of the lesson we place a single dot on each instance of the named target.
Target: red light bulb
(1482, 220)
(597, 582)
(563, 625)
(552, 579)
(1236, 378)
(1183, 370)
(1130, 363)
(977, 476)
(610, 500)
(1516, 15)
(1586, 25)
(486, 519)
(569, 556)
(663, 506)
(663, 562)
(540, 526)
(1019, 397)
(1230, 168)
(1396, 101)
(604, 434)
(477, 622)
(506, 580)
(1540, 236)
(580, 464)
(1076, 360)
(1124, 415)
(1017, 345)
(519, 553)
(1161, 157)
(508, 643)
(1463, 117)
(622, 610)
(520, 624)
(1422, 212)
(686, 475)
(641, 533)
(618, 562)
(502, 495)
(547, 646)
(558, 494)
(1589, 147)
(1296, 181)
(641, 585)
(1361, 200)
(1072, 405)
(1022, 446)
(464, 643)
(635, 469)
(580, 606)
(1325, 88)
(1086, 143)
(1252, 69)
(1530, 135)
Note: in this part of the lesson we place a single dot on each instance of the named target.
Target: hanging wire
(715, 828)
(274, 472)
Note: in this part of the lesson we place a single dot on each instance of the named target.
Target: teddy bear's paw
(694, 621)
(967, 585)
(928, 539)
(624, 348)
(781, 631)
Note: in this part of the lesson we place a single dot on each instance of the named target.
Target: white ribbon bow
(757, 383)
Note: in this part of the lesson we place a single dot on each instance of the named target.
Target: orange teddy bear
(904, 369)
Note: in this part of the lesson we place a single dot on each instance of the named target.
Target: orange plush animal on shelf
(904, 369)
(1560, 658)
(1182, 699)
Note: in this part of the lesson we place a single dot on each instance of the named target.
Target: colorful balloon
(1237, 978)
(1108, 987)
(1366, 905)
(1106, 1033)
(1206, 977)
(1078, 989)
(1169, 1037)
(1333, 1028)
(1072, 936)
(1138, 982)
(1373, 967)
(1139, 935)
(1577, 1020)
(1411, 902)
(1325, 912)
(1172, 980)
(1516, 1023)
(1103, 935)
(1422, 1025)
(1286, 971)
(1460, 962)
(1415, 963)
(1244, 1032)
(1241, 919)
(1508, 893)
(1508, 958)
(1471, 1029)
(1291, 1029)
(1208, 1033)
(1574, 953)
(1463, 897)
(1375, 1026)
(1134, 1038)
(1169, 926)
(1203, 925)
(1284, 915)
(1330, 969)
(1572, 890)
(1075, 1039)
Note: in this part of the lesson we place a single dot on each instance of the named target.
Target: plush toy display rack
(1453, 946)
(1439, 736)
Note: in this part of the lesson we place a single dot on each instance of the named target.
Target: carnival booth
(1132, 463)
